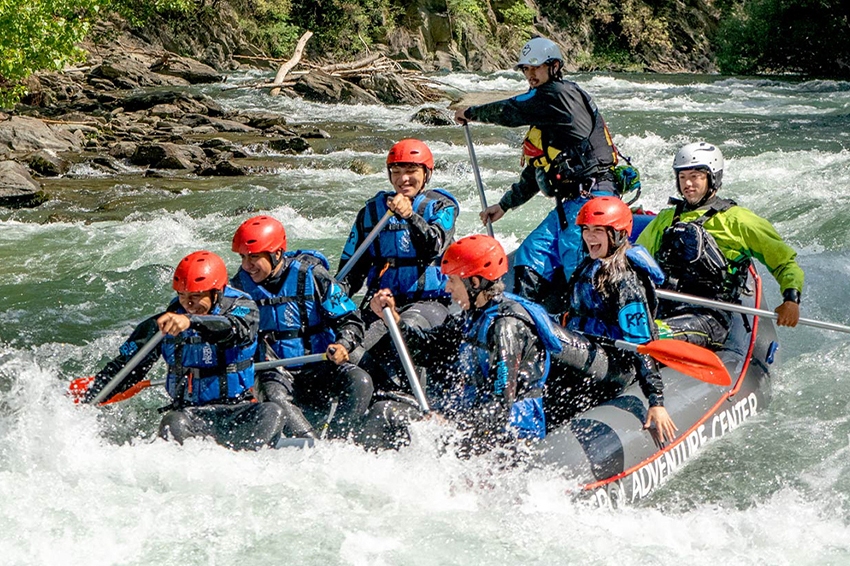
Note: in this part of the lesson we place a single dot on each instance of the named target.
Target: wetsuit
(590, 369)
(210, 375)
(488, 368)
(303, 310)
(740, 235)
(568, 129)
(405, 259)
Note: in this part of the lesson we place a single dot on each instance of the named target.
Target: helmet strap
(275, 259)
(616, 239)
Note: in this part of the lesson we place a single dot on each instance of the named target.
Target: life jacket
(589, 313)
(291, 320)
(396, 264)
(527, 415)
(561, 170)
(200, 372)
(694, 262)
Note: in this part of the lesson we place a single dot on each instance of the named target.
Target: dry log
(286, 67)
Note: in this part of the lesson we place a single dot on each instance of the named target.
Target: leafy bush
(803, 36)
(40, 35)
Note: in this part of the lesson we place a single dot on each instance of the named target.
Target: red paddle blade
(124, 395)
(78, 387)
(690, 359)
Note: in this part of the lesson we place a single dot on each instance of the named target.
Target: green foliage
(141, 12)
(39, 35)
(465, 16)
(519, 15)
(343, 27)
(270, 25)
(803, 36)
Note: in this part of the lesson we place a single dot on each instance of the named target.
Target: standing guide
(568, 154)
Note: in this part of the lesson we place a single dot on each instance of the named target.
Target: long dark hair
(614, 267)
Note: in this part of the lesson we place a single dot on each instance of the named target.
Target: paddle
(690, 359)
(477, 173)
(683, 298)
(79, 386)
(364, 245)
(76, 389)
(398, 340)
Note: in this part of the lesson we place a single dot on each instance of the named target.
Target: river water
(91, 486)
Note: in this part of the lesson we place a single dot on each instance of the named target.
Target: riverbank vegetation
(805, 37)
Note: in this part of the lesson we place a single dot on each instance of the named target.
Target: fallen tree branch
(286, 67)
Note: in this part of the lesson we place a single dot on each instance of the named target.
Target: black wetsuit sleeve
(558, 104)
(353, 281)
(338, 312)
(237, 325)
(634, 289)
(521, 191)
(431, 239)
(435, 347)
(140, 336)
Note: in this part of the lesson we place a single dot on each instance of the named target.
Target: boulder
(191, 70)
(123, 150)
(433, 117)
(21, 133)
(163, 156)
(17, 187)
(293, 144)
(391, 88)
(45, 162)
(318, 86)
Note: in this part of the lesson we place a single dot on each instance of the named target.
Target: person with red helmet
(491, 360)
(210, 339)
(303, 310)
(405, 256)
(610, 296)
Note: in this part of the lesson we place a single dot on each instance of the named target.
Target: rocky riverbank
(132, 106)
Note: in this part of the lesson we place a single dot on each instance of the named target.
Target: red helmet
(475, 255)
(411, 151)
(259, 234)
(606, 211)
(198, 272)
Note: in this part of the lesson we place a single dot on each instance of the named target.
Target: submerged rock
(17, 187)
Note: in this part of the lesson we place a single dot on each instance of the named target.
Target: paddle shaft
(477, 174)
(412, 376)
(683, 298)
(349, 265)
(129, 367)
(298, 360)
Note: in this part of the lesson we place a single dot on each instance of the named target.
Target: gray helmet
(539, 51)
(701, 155)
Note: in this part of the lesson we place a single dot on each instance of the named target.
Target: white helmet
(539, 51)
(701, 155)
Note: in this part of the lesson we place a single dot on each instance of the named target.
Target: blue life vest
(396, 265)
(291, 321)
(527, 415)
(593, 313)
(200, 372)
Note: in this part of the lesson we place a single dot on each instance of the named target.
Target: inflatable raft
(617, 462)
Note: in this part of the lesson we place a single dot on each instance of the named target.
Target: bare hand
(789, 314)
(173, 323)
(401, 206)
(664, 429)
(382, 299)
(337, 354)
(491, 214)
(460, 116)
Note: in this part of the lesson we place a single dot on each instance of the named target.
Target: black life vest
(692, 259)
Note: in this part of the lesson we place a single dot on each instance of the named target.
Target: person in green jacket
(705, 245)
